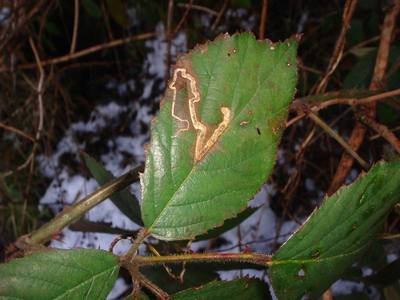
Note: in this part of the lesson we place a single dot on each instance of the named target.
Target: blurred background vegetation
(58, 60)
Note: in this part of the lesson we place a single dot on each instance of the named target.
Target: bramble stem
(76, 211)
(253, 258)
(152, 287)
(142, 234)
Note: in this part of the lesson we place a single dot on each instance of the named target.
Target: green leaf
(361, 73)
(239, 289)
(239, 90)
(228, 224)
(335, 235)
(124, 200)
(59, 274)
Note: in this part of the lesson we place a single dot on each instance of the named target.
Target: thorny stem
(143, 233)
(253, 258)
(132, 263)
(76, 211)
(152, 287)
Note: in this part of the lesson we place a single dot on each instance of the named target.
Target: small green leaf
(124, 200)
(214, 142)
(239, 289)
(335, 235)
(361, 73)
(59, 274)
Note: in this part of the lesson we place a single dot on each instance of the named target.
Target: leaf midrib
(315, 260)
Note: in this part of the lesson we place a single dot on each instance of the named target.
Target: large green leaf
(59, 274)
(124, 200)
(336, 234)
(236, 91)
(239, 289)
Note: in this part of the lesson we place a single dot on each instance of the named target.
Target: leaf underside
(124, 200)
(185, 194)
(239, 289)
(335, 235)
(59, 274)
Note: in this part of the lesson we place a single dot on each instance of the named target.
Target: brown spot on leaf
(205, 138)
(231, 52)
(276, 124)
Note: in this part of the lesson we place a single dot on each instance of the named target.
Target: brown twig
(302, 107)
(117, 240)
(359, 131)
(157, 291)
(87, 51)
(35, 9)
(168, 38)
(320, 88)
(209, 257)
(348, 11)
(136, 288)
(374, 137)
(183, 19)
(355, 101)
(199, 8)
(39, 89)
(338, 138)
(39, 129)
(383, 131)
(332, 123)
(220, 14)
(76, 25)
(263, 20)
(16, 131)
